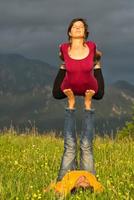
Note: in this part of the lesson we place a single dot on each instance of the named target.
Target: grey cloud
(36, 28)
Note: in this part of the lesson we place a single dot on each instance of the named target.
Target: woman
(57, 92)
(78, 80)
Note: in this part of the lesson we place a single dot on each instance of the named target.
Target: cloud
(36, 28)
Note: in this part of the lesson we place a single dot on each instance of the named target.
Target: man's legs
(86, 139)
(69, 161)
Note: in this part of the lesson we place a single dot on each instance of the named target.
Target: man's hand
(82, 182)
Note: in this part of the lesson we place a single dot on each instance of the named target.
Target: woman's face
(77, 30)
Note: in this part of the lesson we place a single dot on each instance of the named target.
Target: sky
(35, 28)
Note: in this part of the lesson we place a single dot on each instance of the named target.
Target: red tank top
(79, 72)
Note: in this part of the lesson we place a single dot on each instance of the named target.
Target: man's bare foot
(88, 98)
(71, 98)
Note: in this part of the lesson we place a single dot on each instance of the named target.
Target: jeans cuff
(70, 109)
(91, 110)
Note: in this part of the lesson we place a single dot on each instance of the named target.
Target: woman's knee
(58, 94)
(99, 95)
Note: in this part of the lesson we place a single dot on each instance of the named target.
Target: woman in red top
(78, 56)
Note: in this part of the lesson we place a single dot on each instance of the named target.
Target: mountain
(19, 74)
(26, 99)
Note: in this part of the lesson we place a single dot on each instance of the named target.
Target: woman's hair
(85, 26)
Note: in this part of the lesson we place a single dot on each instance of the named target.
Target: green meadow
(30, 162)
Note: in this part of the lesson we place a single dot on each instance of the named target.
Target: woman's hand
(61, 56)
(62, 66)
(97, 59)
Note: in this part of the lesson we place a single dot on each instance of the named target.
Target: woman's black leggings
(58, 94)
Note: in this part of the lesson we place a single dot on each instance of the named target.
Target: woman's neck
(77, 42)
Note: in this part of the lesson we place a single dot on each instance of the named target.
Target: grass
(28, 163)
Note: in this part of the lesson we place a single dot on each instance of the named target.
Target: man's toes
(89, 93)
(67, 90)
(70, 93)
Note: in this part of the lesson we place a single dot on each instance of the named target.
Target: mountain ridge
(26, 94)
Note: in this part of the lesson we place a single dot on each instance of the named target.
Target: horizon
(37, 59)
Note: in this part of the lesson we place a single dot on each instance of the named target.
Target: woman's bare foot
(71, 98)
(88, 98)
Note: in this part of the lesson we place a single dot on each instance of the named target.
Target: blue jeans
(69, 161)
